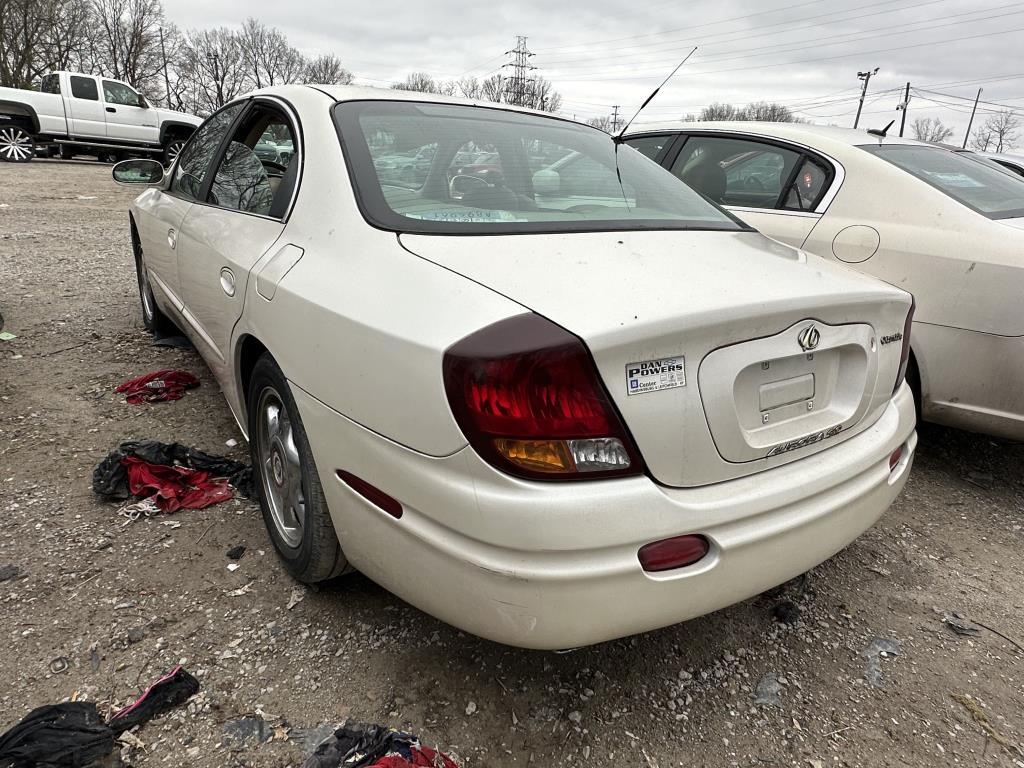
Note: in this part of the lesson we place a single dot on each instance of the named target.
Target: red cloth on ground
(422, 757)
(159, 386)
(175, 487)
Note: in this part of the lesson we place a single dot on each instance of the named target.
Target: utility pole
(519, 90)
(904, 106)
(615, 119)
(167, 80)
(866, 77)
(971, 121)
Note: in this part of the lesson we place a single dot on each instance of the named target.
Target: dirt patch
(123, 602)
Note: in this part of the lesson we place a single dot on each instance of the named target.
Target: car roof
(370, 93)
(803, 133)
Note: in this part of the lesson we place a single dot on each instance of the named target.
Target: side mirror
(138, 172)
(547, 182)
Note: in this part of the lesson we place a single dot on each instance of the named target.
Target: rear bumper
(555, 565)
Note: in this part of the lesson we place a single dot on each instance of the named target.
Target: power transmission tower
(615, 119)
(519, 86)
(866, 77)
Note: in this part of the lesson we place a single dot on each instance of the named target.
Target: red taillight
(905, 352)
(677, 552)
(528, 398)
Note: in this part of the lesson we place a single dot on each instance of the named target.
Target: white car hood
(170, 114)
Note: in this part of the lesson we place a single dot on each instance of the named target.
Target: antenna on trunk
(881, 132)
(655, 93)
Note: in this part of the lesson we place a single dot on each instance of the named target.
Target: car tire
(153, 318)
(171, 150)
(290, 494)
(16, 144)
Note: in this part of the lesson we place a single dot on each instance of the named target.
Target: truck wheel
(16, 144)
(172, 149)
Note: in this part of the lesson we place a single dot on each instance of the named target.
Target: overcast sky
(598, 53)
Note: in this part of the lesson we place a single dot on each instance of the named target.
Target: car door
(84, 108)
(241, 216)
(129, 117)
(774, 187)
(162, 211)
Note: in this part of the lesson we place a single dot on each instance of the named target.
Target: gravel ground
(122, 602)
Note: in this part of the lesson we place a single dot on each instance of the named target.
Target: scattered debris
(59, 665)
(878, 648)
(231, 443)
(179, 476)
(768, 692)
(308, 739)
(297, 596)
(233, 567)
(241, 590)
(959, 624)
(786, 612)
(165, 385)
(248, 731)
(11, 572)
(73, 734)
(375, 746)
(7, 336)
(980, 717)
(983, 480)
(471, 708)
(235, 553)
(170, 340)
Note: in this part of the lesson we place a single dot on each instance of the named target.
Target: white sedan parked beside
(565, 403)
(946, 227)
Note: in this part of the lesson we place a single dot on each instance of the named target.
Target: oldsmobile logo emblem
(809, 338)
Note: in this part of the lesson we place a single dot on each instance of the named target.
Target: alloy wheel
(280, 468)
(16, 145)
(173, 150)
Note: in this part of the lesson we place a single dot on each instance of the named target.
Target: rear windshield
(440, 168)
(982, 188)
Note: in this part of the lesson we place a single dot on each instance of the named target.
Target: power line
(519, 88)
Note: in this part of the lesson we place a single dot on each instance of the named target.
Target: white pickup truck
(73, 113)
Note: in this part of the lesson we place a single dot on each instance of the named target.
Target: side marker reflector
(372, 494)
(669, 554)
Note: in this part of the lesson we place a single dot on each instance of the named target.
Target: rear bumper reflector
(677, 552)
(372, 494)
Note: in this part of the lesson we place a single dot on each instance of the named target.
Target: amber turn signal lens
(537, 455)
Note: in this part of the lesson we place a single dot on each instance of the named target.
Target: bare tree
(767, 111)
(212, 69)
(603, 123)
(23, 27)
(269, 58)
(999, 133)
(930, 129)
(417, 81)
(327, 70)
(493, 88)
(543, 96)
(470, 88)
(126, 39)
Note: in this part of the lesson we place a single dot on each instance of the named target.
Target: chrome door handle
(172, 238)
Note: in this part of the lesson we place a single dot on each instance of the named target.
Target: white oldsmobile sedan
(947, 227)
(554, 403)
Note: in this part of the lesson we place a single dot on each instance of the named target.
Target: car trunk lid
(697, 336)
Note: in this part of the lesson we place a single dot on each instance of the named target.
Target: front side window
(84, 88)
(119, 93)
(253, 177)
(50, 84)
(989, 191)
(421, 167)
(194, 160)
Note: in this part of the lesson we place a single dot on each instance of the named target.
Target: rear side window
(649, 145)
(989, 191)
(194, 160)
(1018, 169)
(50, 84)
(736, 171)
(84, 88)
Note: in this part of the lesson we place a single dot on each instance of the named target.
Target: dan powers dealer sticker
(655, 375)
